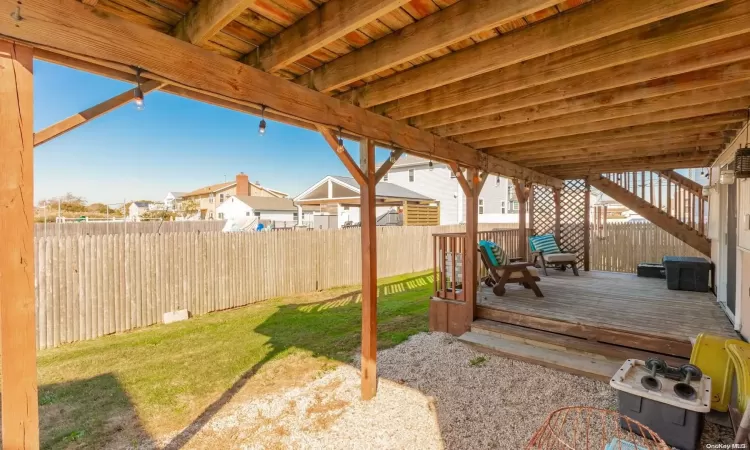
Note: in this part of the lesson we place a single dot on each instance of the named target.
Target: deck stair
(561, 352)
(667, 199)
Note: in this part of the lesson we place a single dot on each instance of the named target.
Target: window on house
(257, 213)
(210, 216)
(453, 175)
(502, 206)
(385, 177)
(221, 215)
(514, 206)
(481, 206)
(247, 213)
(210, 198)
(411, 175)
(221, 198)
(295, 216)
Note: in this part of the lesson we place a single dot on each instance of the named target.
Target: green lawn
(124, 389)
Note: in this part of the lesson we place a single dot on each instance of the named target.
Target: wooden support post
(369, 270)
(20, 411)
(522, 193)
(558, 214)
(471, 253)
(365, 176)
(587, 228)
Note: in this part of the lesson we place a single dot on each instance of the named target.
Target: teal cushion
(487, 246)
(544, 243)
(495, 253)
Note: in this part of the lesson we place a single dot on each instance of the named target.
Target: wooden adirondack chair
(516, 272)
(560, 260)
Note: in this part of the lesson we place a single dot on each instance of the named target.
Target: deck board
(616, 301)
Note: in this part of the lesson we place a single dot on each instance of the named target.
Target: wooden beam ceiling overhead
(727, 19)
(682, 101)
(641, 73)
(634, 99)
(457, 22)
(579, 26)
(68, 26)
(207, 18)
(331, 21)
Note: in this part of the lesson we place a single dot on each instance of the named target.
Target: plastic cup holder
(651, 383)
(685, 391)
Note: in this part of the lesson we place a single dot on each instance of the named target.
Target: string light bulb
(392, 158)
(431, 165)
(340, 148)
(140, 103)
(262, 124)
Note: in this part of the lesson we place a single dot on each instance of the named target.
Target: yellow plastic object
(710, 355)
(739, 353)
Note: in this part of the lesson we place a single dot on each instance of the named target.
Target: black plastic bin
(651, 270)
(687, 273)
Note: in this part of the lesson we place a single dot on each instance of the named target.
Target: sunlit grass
(134, 385)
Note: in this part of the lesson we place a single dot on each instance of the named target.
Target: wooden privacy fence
(620, 247)
(92, 285)
(151, 226)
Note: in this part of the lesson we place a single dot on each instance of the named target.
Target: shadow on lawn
(108, 410)
(325, 329)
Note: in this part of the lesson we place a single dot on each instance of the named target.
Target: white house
(172, 200)
(241, 208)
(496, 203)
(136, 209)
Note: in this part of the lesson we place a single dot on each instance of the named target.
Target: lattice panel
(572, 214)
(543, 211)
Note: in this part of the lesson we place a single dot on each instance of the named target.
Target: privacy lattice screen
(572, 214)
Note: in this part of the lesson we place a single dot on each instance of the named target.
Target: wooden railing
(449, 251)
(670, 192)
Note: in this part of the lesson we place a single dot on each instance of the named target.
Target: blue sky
(174, 144)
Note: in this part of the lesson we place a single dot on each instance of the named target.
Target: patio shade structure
(536, 90)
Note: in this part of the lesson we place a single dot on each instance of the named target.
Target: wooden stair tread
(575, 363)
(548, 339)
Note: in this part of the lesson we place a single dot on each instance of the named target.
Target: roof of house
(384, 189)
(177, 194)
(211, 188)
(267, 203)
(141, 204)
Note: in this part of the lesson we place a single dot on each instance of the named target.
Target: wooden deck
(613, 308)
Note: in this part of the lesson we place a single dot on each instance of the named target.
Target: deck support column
(587, 227)
(365, 175)
(472, 229)
(369, 270)
(20, 411)
(522, 194)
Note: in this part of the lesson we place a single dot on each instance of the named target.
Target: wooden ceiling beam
(623, 143)
(69, 26)
(593, 157)
(645, 161)
(631, 95)
(654, 119)
(76, 120)
(682, 101)
(331, 21)
(727, 19)
(725, 123)
(434, 32)
(207, 18)
(575, 27)
(629, 165)
(538, 158)
(676, 64)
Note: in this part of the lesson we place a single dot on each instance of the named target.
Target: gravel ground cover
(434, 392)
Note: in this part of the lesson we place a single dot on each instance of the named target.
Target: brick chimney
(243, 186)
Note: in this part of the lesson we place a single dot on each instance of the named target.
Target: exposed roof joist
(331, 21)
(576, 27)
(207, 18)
(534, 77)
(457, 22)
(69, 26)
